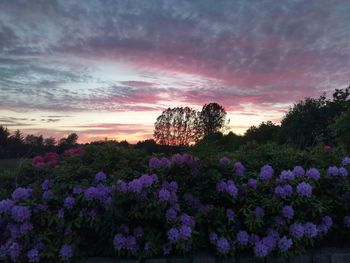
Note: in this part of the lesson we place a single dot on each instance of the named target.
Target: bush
(140, 206)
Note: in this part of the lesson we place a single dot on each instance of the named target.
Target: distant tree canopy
(183, 125)
(265, 132)
(177, 126)
(212, 118)
(309, 120)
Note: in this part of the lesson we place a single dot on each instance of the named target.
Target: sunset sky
(109, 68)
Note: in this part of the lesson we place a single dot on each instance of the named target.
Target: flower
(164, 195)
(33, 255)
(5, 205)
(52, 158)
(119, 242)
(171, 214)
(187, 220)
(222, 245)
(327, 220)
(347, 221)
(100, 177)
(130, 243)
(310, 230)
(20, 213)
(288, 211)
(285, 244)
(185, 232)
(287, 175)
(333, 171)
(260, 249)
(231, 188)
(173, 235)
(14, 251)
(298, 171)
(21, 193)
(154, 163)
(25, 227)
(66, 252)
(164, 162)
(69, 202)
(259, 212)
(213, 238)
(313, 174)
(60, 213)
(284, 191)
(343, 171)
(47, 195)
(177, 159)
(221, 186)
(296, 230)
(45, 185)
(230, 214)
(252, 183)
(242, 237)
(266, 172)
(138, 232)
(346, 161)
(38, 161)
(224, 161)
(304, 189)
(239, 168)
(327, 148)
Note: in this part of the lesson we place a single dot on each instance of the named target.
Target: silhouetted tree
(265, 132)
(212, 118)
(177, 126)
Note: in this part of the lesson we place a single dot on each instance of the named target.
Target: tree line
(17, 145)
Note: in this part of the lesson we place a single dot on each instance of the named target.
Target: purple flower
(69, 202)
(333, 171)
(138, 232)
(148, 246)
(154, 163)
(14, 251)
(119, 242)
(347, 221)
(173, 186)
(297, 230)
(60, 213)
(239, 168)
(100, 177)
(222, 245)
(284, 191)
(164, 162)
(242, 237)
(171, 215)
(221, 186)
(288, 190)
(260, 249)
(287, 176)
(224, 161)
(259, 212)
(327, 220)
(187, 220)
(177, 159)
(231, 188)
(185, 232)
(279, 221)
(33, 255)
(130, 243)
(167, 248)
(21, 193)
(5, 205)
(164, 195)
(298, 171)
(313, 174)
(253, 238)
(266, 172)
(77, 190)
(310, 230)
(284, 244)
(343, 171)
(173, 235)
(270, 242)
(25, 227)
(213, 238)
(346, 161)
(304, 189)
(45, 185)
(253, 183)
(322, 229)
(47, 195)
(230, 214)
(288, 211)
(20, 213)
(66, 252)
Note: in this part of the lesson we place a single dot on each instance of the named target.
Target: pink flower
(38, 161)
(327, 148)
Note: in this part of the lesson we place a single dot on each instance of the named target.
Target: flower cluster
(228, 187)
(50, 158)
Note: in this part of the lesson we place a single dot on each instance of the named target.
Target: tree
(266, 131)
(177, 126)
(341, 129)
(4, 134)
(212, 118)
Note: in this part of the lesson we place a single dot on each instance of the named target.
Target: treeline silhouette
(307, 123)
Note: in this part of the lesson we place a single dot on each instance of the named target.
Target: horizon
(108, 69)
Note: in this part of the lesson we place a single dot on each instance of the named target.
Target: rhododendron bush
(172, 206)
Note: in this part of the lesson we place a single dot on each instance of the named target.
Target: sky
(109, 68)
